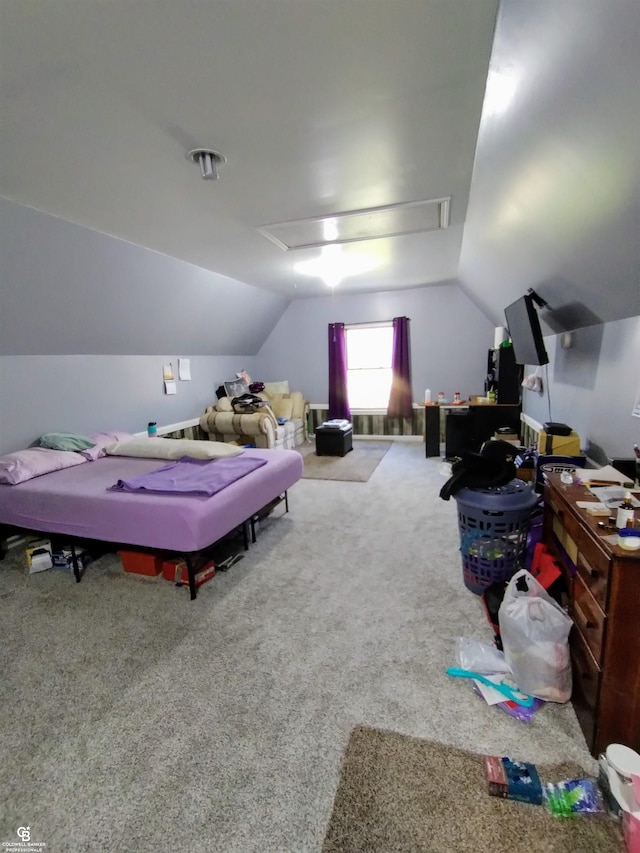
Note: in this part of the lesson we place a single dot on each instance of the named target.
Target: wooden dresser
(603, 590)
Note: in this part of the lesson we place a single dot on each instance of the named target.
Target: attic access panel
(368, 224)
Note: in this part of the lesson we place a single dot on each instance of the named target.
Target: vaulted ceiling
(319, 108)
(322, 107)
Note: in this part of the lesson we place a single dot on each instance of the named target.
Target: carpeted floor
(407, 795)
(134, 719)
(356, 466)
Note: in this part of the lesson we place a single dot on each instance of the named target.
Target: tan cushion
(298, 401)
(224, 405)
(281, 387)
(282, 408)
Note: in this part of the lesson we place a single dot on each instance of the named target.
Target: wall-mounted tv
(525, 332)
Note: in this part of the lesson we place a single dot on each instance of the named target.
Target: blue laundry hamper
(494, 523)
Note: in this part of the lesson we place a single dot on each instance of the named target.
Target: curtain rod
(373, 323)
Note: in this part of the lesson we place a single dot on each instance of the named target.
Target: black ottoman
(334, 441)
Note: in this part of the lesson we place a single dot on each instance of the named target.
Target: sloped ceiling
(319, 107)
(322, 107)
(555, 199)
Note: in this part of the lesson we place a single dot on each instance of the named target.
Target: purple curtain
(338, 394)
(400, 402)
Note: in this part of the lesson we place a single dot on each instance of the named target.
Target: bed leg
(191, 571)
(245, 534)
(76, 567)
(286, 501)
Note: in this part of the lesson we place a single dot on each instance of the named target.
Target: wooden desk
(603, 594)
(466, 425)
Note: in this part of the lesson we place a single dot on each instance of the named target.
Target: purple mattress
(76, 502)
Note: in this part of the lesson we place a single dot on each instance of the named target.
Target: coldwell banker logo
(25, 843)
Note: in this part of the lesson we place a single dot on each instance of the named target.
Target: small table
(334, 441)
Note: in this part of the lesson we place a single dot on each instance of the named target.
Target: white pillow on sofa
(281, 387)
(173, 448)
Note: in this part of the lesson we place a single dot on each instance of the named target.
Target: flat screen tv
(525, 332)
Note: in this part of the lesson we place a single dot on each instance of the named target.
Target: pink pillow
(26, 464)
(101, 441)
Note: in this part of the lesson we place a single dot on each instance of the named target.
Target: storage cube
(559, 445)
(141, 562)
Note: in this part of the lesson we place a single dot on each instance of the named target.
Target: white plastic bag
(478, 657)
(533, 381)
(535, 636)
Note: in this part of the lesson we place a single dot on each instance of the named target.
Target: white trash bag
(535, 637)
(478, 657)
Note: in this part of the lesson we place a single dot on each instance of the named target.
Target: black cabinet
(467, 428)
(503, 375)
(432, 430)
(459, 431)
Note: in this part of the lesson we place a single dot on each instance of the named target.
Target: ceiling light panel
(356, 225)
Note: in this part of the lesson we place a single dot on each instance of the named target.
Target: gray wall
(87, 321)
(555, 204)
(72, 393)
(593, 386)
(66, 290)
(450, 338)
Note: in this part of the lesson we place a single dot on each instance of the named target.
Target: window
(369, 351)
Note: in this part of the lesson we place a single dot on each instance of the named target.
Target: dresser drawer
(593, 567)
(566, 529)
(586, 686)
(588, 617)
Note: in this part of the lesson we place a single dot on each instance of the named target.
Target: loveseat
(280, 423)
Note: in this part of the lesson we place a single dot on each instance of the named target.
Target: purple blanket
(192, 476)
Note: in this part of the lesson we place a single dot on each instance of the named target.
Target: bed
(76, 502)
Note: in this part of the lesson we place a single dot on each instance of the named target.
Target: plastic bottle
(456, 396)
(152, 429)
(441, 396)
(427, 396)
(625, 512)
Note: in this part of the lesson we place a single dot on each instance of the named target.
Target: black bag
(247, 404)
(491, 601)
(493, 466)
(555, 428)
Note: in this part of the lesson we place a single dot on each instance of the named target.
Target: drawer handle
(587, 623)
(593, 573)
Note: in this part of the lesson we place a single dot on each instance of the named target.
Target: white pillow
(277, 387)
(173, 448)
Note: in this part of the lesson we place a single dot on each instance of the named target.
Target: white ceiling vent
(368, 224)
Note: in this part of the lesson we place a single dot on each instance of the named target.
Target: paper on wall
(184, 369)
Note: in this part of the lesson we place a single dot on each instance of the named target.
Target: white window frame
(362, 327)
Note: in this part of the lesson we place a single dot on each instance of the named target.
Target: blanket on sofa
(192, 476)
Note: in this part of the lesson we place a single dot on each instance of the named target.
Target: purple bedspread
(192, 476)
